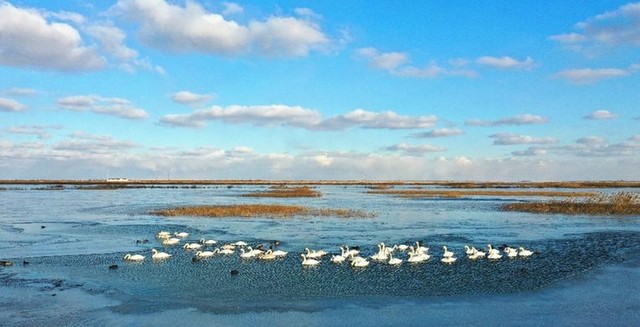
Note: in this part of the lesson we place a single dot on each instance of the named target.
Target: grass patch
(279, 191)
(257, 210)
(620, 203)
(418, 193)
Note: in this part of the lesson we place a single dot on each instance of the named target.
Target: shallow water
(70, 237)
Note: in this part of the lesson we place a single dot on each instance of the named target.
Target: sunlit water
(70, 238)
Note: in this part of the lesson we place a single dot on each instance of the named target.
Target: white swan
(524, 252)
(492, 250)
(477, 254)
(349, 252)
(314, 254)
(381, 255)
(247, 255)
(394, 261)
(448, 260)
(447, 253)
(181, 234)
(309, 262)
(192, 246)
(226, 251)
(337, 258)
(240, 243)
(208, 242)
(229, 247)
(170, 241)
(163, 235)
(360, 263)
(155, 255)
(280, 253)
(133, 257)
(494, 256)
(511, 252)
(415, 257)
(206, 254)
(403, 247)
(420, 248)
(468, 250)
(267, 255)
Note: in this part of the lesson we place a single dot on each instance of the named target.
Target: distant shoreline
(373, 183)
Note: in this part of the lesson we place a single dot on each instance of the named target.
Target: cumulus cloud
(613, 29)
(399, 64)
(439, 132)
(186, 97)
(20, 92)
(11, 105)
(410, 149)
(118, 107)
(525, 119)
(591, 75)
(232, 8)
(83, 142)
(601, 115)
(41, 132)
(192, 29)
(506, 62)
(596, 146)
(531, 152)
(296, 116)
(513, 139)
(29, 40)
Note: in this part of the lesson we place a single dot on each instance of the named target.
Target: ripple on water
(209, 286)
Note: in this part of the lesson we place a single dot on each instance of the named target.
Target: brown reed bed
(419, 193)
(283, 191)
(619, 204)
(258, 210)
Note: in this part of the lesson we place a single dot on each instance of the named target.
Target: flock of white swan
(205, 249)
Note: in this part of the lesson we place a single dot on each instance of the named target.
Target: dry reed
(257, 210)
(620, 203)
(417, 193)
(280, 191)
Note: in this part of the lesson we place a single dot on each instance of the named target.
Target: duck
(208, 242)
(394, 261)
(360, 263)
(181, 234)
(192, 246)
(155, 255)
(133, 257)
(524, 252)
(309, 262)
(448, 260)
(447, 253)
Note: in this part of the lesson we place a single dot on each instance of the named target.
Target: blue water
(70, 237)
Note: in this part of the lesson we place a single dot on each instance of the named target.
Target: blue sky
(482, 90)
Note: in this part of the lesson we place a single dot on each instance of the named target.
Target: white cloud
(592, 141)
(41, 132)
(29, 40)
(232, 8)
(186, 97)
(296, 116)
(399, 64)
(591, 75)
(525, 119)
(306, 12)
(613, 29)
(596, 146)
(601, 115)
(11, 105)
(506, 62)
(531, 152)
(192, 29)
(118, 107)
(513, 139)
(439, 132)
(20, 91)
(410, 149)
